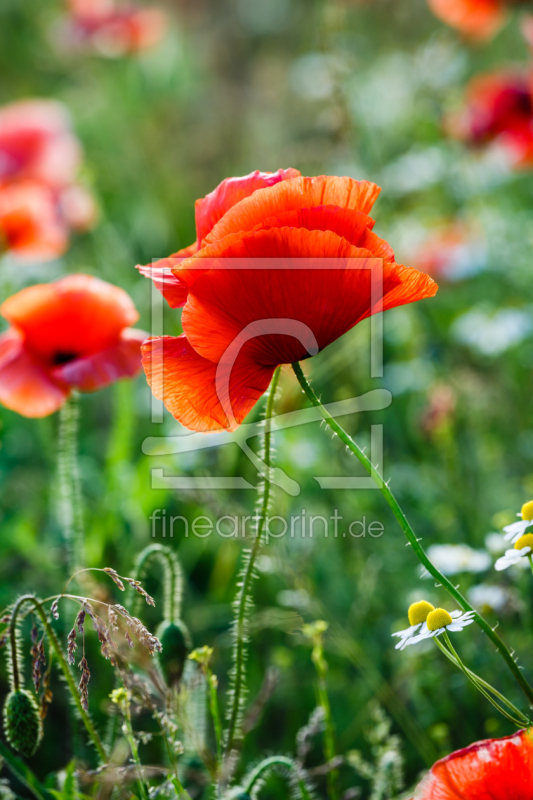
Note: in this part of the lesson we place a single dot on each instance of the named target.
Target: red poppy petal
(328, 298)
(25, 386)
(77, 315)
(161, 272)
(496, 768)
(345, 222)
(294, 194)
(213, 206)
(187, 384)
(479, 19)
(123, 360)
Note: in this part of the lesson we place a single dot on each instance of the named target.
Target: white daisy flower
(417, 614)
(441, 620)
(522, 547)
(515, 530)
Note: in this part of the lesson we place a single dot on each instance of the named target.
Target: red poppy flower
(36, 142)
(31, 227)
(499, 769)
(476, 19)
(115, 30)
(499, 110)
(69, 334)
(243, 318)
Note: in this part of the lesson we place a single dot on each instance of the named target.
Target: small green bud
(176, 643)
(23, 726)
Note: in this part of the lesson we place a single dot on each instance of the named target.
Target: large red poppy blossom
(499, 110)
(254, 295)
(475, 19)
(499, 769)
(70, 334)
(36, 141)
(115, 29)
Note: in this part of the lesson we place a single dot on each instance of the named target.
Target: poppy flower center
(63, 357)
(438, 618)
(527, 510)
(418, 612)
(525, 541)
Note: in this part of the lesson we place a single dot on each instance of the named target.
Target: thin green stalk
(477, 680)
(215, 712)
(243, 597)
(70, 501)
(52, 638)
(180, 790)
(479, 687)
(409, 533)
(267, 764)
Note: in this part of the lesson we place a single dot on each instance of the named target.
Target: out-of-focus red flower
(39, 198)
(243, 318)
(36, 142)
(476, 19)
(499, 769)
(115, 30)
(440, 408)
(30, 225)
(70, 334)
(499, 109)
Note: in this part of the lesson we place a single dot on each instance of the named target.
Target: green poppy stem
(243, 598)
(410, 534)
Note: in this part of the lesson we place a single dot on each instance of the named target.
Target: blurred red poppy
(451, 252)
(39, 199)
(70, 334)
(476, 19)
(242, 315)
(499, 110)
(113, 29)
(30, 225)
(499, 769)
(36, 142)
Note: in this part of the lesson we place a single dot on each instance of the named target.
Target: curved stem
(272, 762)
(409, 533)
(243, 597)
(173, 577)
(52, 638)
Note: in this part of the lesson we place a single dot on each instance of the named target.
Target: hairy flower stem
(274, 761)
(130, 738)
(243, 597)
(70, 503)
(409, 533)
(54, 643)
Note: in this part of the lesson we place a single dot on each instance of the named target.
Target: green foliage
(23, 726)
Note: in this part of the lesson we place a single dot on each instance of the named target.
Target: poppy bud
(22, 722)
(176, 643)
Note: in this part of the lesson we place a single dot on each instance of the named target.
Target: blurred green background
(341, 88)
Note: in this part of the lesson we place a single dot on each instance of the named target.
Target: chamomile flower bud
(527, 511)
(417, 612)
(523, 546)
(525, 541)
(439, 618)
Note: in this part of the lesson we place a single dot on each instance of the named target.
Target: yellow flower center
(418, 612)
(438, 618)
(527, 510)
(525, 541)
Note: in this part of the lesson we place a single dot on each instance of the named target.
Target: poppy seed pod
(176, 643)
(23, 726)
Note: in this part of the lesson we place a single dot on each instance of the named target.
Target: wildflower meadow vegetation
(266, 428)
